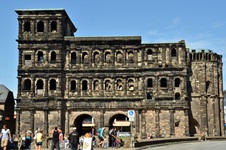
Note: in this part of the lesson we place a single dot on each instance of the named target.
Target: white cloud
(216, 25)
(175, 22)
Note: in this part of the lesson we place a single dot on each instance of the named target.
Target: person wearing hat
(73, 139)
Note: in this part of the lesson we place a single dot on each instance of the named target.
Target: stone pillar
(46, 127)
(101, 118)
(67, 121)
(46, 87)
(157, 122)
(186, 128)
(137, 122)
(32, 119)
(172, 123)
(17, 122)
(143, 125)
(59, 114)
(19, 86)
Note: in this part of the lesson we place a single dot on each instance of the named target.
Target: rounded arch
(116, 118)
(84, 123)
(40, 26)
(27, 85)
(53, 26)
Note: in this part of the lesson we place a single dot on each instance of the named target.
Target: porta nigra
(92, 82)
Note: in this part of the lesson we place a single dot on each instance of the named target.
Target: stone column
(46, 87)
(101, 118)
(32, 119)
(19, 86)
(46, 127)
(17, 122)
(59, 115)
(143, 125)
(137, 121)
(157, 122)
(186, 128)
(67, 121)
(172, 123)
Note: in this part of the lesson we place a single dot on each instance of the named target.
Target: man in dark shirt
(55, 142)
(73, 139)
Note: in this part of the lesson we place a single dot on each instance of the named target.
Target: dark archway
(120, 122)
(84, 123)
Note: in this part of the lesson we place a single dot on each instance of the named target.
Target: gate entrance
(84, 124)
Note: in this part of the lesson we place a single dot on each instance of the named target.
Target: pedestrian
(5, 135)
(101, 136)
(55, 141)
(73, 139)
(113, 136)
(61, 138)
(28, 138)
(39, 138)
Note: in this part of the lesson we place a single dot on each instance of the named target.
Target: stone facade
(80, 81)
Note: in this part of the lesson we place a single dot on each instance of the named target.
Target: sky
(201, 23)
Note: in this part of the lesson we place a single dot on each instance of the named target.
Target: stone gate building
(89, 82)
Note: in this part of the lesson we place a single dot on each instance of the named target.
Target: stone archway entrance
(84, 123)
(120, 122)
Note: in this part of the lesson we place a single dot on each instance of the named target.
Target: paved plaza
(207, 145)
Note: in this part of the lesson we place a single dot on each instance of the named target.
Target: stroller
(23, 144)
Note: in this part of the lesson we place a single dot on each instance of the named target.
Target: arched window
(85, 58)
(173, 52)
(119, 56)
(40, 56)
(119, 85)
(27, 85)
(108, 85)
(177, 82)
(39, 84)
(73, 58)
(177, 96)
(108, 57)
(131, 84)
(130, 56)
(73, 85)
(27, 26)
(53, 26)
(149, 53)
(96, 57)
(52, 84)
(53, 56)
(149, 83)
(84, 85)
(96, 85)
(163, 82)
(40, 26)
(208, 85)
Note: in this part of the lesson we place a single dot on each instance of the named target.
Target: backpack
(99, 132)
(110, 131)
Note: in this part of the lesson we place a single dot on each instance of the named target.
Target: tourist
(55, 142)
(39, 138)
(28, 138)
(5, 136)
(73, 139)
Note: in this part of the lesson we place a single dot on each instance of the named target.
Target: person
(39, 138)
(28, 138)
(101, 136)
(73, 139)
(5, 135)
(113, 135)
(55, 141)
(61, 138)
(66, 142)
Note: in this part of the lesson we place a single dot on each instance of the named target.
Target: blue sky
(201, 23)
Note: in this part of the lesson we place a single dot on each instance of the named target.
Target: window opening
(27, 85)
(40, 84)
(85, 58)
(53, 56)
(149, 83)
(73, 85)
(163, 82)
(52, 84)
(149, 95)
(96, 85)
(27, 59)
(40, 56)
(108, 57)
(40, 26)
(84, 85)
(108, 85)
(119, 57)
(96, 57)
(177, 96)
(173, 52)
(73, 58)
(149, 53)
(53, 26)
(27, 26)
(177, 82)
